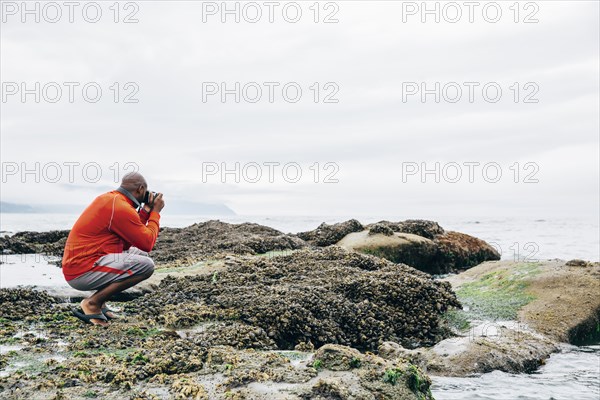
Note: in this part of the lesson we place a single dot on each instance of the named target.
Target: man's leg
(112, 274)
(94, 303)
(133, 251)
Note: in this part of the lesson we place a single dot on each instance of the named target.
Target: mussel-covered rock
(50, 243)
(366, 375)
(317, 295)
(338, 358)
(420, 227)
(187, 245)
(206, 239)
(19, 304)
(326, 235)
(382, 229)
(234, 334)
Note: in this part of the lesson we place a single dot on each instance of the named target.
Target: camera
(147, 197)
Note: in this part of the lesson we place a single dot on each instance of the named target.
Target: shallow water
(30, 270)
(36, 270)
(573, 374)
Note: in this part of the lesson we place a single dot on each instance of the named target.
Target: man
(107, 249)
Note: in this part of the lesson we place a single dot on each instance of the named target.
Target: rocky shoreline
(346, 311)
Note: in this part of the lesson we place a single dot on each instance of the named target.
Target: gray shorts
(114, 267)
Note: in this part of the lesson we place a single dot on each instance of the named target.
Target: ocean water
(571, 374)
(515, 238)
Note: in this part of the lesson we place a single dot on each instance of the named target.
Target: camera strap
(130, 197)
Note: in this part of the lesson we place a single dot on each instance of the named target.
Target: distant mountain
(15, 208)
(171, 206)
(12, 208)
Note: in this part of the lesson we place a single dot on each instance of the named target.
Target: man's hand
(158, 203)
(148, 206)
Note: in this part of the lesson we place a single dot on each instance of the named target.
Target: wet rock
(186, 314)
(335, 388)
(41, 237)
(549, 301)
(459, 251)
(203, 240)
(382, 229)
(326, 235)
(175, 246)
(497, 348)
(305, 346)
(50, 243)
(406, 248)
(420, 227)
(557, 300)
(156, 356)
(450, 251)
(234, 334)
(321, 295)
(185, 388)
(9, 245)
(487, 347)
(338, 358)
(427, 229)
(391, 351)
(360, 376)
(20, 304)
(577, 263)
(443, 253)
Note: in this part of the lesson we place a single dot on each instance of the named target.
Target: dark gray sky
(370, 58)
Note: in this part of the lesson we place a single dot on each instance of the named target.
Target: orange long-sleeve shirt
(109, 224)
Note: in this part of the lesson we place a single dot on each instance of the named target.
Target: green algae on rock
(498, 295)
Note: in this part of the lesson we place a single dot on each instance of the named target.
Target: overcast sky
(370, 61)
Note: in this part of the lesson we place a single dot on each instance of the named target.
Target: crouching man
(107, 249)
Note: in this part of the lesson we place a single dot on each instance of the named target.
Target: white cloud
(369, 133)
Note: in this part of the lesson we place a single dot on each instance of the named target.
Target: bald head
(132, 182)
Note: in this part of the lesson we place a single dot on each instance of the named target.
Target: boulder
(405, 248)
(490, 347)
(381, 228)
(459, 251)
(317, 294)
(326, 235)
(516, 315)
(353, 375)
(421, 227)
(27, 242)
(445, 252)
(338, 358)
(201, 241)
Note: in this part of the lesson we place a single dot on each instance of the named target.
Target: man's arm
(144, 214)
(127, 223)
